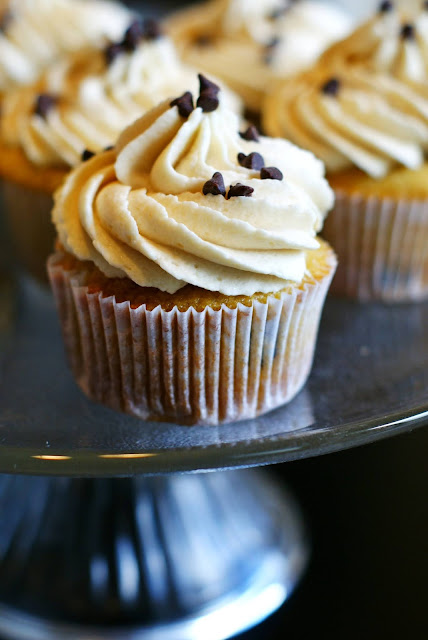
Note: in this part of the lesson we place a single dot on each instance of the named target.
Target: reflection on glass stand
(177, 557)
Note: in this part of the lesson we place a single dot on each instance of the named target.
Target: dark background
(367, 513)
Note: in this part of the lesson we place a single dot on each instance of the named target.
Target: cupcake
(250, 43)
(363, 110)
(188, 276)
(34, 33)
(77, 107)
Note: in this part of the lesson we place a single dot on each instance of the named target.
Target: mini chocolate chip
(278, 13)
(5, 20)
(269, 49)
(331, 87)
(208, 94)
(208, 100)
(207, 85)
(203, 41)
(151, 29)
(252, 161)
(113, 51)
(253, 117)
(215, 186)
(87, 155)
(273, 43)
(271, 173)
(44, 103)
(251, 133)
(268, 57)
(240, 190)
(386, 6)
(184, 104)
(408, 31)
(133, 35)
(109, 148)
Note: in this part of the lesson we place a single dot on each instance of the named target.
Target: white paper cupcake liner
(190, 367)
(28, 219)
(382, 246)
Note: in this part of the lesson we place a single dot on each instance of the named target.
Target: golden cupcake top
(187, 197)
(365, 104)
(33, 33)
(88, 98)
(248, 43)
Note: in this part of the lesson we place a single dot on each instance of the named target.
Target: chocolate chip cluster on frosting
(87, 98)
(149, 209)
(215, 186)
(208, 101)
(137, 32)
(208, 98)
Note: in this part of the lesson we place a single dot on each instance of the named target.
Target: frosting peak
(144, 210)
(366, 102)
(394, 41)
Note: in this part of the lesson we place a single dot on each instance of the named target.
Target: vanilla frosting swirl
(366, 102)
(249, 43)
(96, 100)
(139, 210)
(36, 32)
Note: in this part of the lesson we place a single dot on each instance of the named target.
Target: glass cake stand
(102, 538)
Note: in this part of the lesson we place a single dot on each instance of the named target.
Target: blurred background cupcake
(34, 33)
(188, 275)
(363, 109)
(77, 107)
(249, 43)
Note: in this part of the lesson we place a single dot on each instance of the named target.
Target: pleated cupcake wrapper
(28, 218)
(190, 367)
(382, 246)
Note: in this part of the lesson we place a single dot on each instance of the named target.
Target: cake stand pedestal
(101, 537)
(176, 557)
